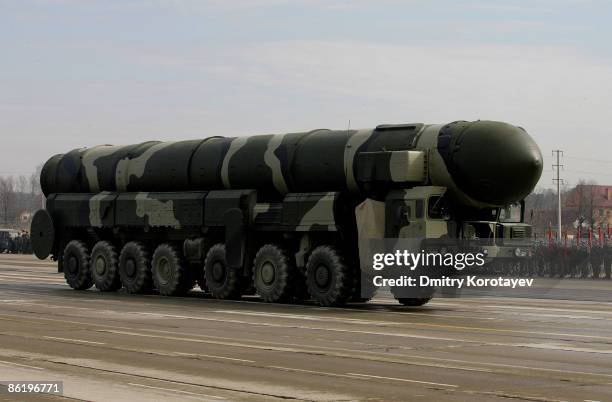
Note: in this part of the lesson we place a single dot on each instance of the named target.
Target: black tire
(105, 267)
(135, 268)
(328, 279)
(171, 275)
(76, 260)
(273, 274)
(415, 302)
(222, 281)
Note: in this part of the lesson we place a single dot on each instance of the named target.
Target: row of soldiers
(580, 257)
(19, 244)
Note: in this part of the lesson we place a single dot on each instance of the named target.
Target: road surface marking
(549, 346)
(55, 338)
(345, 355)
(29, 278)
(379, 333)
(404, 380)
(410, 324)
(573, 310)
(21, 365)
(39, 281)
(324, 373)
(366, 355)
(307, 317)
(176, 391)
(288, 349)
(213, 357)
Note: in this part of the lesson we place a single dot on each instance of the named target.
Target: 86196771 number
(33, 387)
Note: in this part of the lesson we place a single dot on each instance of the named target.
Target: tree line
(20, 197)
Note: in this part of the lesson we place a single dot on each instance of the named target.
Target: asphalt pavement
(115, 346)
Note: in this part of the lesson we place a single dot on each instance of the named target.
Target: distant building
(590, 202)
(25, 217)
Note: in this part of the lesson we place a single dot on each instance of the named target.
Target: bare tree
(7, 194)
(35, 181)
(21, 184)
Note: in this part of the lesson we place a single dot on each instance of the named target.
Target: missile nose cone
(492, 162)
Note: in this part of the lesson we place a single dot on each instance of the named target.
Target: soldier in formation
(585, 256)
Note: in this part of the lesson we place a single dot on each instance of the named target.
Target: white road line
(573, 310)
(21, 365)
(307, 317)
(379, 333)
(176, 391)
(213, 357)
(366, 355)
(31, 274)
(48, 274)
(402, 335)
(565, 348)
(55, 338)
(18, 301)
(236, 343)
(323, 373)
(404, 380)
(38, 281)
(26, 264)
(511, 366)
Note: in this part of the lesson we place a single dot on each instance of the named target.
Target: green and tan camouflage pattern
(299, 212)
(367, 163)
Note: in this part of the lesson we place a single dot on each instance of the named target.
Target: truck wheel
(105, 267)
(327, 277)
(414, 301)
(134, 268)
(170, 273)
(76, 265)
(222, 281)
(272, 274)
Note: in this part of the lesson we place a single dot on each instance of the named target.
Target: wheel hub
(267, 273)
(130, 268)
(100, 265)
(73, 264)
(322, 276)
(218, 271)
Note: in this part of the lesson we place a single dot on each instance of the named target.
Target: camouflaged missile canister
(482, 163)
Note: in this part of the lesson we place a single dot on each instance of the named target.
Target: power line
(572, 171)
(585, 172)
(588, 159)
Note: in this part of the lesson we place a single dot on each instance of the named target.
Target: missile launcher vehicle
(278, 215)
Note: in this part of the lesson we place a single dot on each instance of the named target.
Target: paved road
(124, 347)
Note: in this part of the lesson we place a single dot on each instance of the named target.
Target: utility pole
(559, 181)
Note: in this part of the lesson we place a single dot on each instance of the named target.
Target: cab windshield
(437, 208)
(512, 213)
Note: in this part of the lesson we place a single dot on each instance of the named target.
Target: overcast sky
(79, 73)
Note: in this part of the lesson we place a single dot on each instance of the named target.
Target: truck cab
(424, 212)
